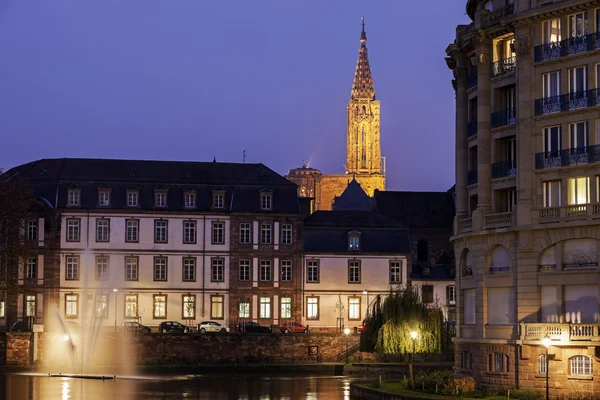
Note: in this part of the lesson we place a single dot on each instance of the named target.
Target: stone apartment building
(526, 231)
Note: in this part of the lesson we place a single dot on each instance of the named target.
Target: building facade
(526, 232)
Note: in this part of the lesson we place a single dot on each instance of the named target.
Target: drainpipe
(203, 260)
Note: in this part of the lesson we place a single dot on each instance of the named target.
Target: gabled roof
(417, 209)
(353, 198)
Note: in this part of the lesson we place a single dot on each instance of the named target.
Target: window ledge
(580, 378)
(498, 374)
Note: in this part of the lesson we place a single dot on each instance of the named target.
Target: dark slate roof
(353, 198)
(417, 209)
(327, 232)
(242, 182)
(437, 272)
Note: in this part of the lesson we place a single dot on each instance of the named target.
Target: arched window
(580, 366)
(364, 110)
(499, 260)
(467, 264)
(364, 148)
(422, 250)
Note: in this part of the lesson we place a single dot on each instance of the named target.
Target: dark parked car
(21, 326)
(254, 327)
(173, 326)
(135, 327)
(294, 327)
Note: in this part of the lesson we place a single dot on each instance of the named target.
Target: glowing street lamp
(413, 335)
(347, 332)
(546, 342)
(115, 292)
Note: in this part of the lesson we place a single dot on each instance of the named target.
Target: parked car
(135, 327)
(254, 327)
(294, 327)
(172, 326)
(21, 326)
(212, 326)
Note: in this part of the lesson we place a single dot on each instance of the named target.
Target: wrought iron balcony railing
(504, 118)
(472, 128)
(472, 177)
(472, 80)
(567, 102)
(561, 333)
(503, 169)
(573, 45)
(564, 158)
(504, 67)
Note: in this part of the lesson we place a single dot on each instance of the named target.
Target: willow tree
(389, 324)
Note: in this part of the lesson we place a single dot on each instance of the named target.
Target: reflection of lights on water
(65, 389)
(346, 388)
(311, 396)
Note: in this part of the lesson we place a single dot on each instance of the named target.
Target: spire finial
(363, 34)
(363, 23)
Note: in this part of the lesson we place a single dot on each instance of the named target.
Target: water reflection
(226, 387)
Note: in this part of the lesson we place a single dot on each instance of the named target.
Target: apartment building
(526, 231)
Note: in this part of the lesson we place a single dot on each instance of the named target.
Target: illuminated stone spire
(363, 87)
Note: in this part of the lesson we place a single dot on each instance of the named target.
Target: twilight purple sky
(193, 79)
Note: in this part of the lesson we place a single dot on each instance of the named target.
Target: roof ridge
(142, 160)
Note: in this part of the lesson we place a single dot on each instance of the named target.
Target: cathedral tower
(363, 148)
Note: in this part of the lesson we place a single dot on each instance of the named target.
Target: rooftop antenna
(244, 157)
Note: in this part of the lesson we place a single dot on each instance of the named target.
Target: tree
(340, 309)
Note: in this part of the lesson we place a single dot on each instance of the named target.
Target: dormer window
(266, 199)
(160, 198)
(426, 271)
(103, 197)
(74, 197)
(133, 197)
(189, 198)
(354, 240)
(218, 196)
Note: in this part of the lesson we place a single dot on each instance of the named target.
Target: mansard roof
(417, 209)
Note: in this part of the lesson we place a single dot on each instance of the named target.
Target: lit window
(160, 269)
(71, 305)
(580, 366)
(160, 231)
(73, 197)
(160, 306)
(32, 230)
(244, 270)
(354, 240)
(286, 307)
(354, 308)
(312, 271)
(286, 270)
(265, 233)
(579, 191)
(245, 233)
(542, 364)
(2, 309)
(101, 268)
(190, 199)
(265, 270)
(30, 304)
(189, 307)
(101, 306)
(72, 230)
(216, 307)
(132, 230)
(217, 272)
(286, 234)
(551, 31)
(451, 294)
(353, 271)
(104, 198)
(132, 198)
(244, 310)
(131, 306)
(218, 233)
(312, 308)
(160, 199)
(189, 269)
(395, 272)
(31, 268)
(266, 201)
(72, 268)
(131, 268)
(189, 232)
(265, 307)
(102, 230)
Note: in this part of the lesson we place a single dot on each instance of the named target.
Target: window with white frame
(312, 308)
(131, 306)
(551, 84)
(218, 232)
(71, 305)
(551, 31)
(72, 268)
(132, 198)
(312, 271)
(160, 268)
(395, 272)
(542, 364)
(265, 233)
(217, 270)
(286, 307)
(216, 307)
(189, 269)
(266, 201)
(218, 199)
(2, 309)
(551, 193)
(131, 268)
(353, 271)
(101, 305)
(30, 305)
(578, 24)
(451, 294)
(189, 199)
(101, 268)
(103, 197)
(354, 242)
(32, 230)
(579, 190)
(265, 270)
(265, 307)
(244, 270)
(580, 366)
(286, 233)
(244, 309)
(132, 230)
(579, 138)
(245, 233)
(73, 230)
(102, 230)
(160, 199)
(74, 197)
(286, 270)
(31, 268)
(160, 306)
(577, 82)
(189, 232)
(354, 308)
(189, 306)
(552, 144)
(160, 231)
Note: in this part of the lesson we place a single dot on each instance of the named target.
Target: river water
(213, 387)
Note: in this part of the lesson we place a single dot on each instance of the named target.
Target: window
(101, 268)
(244, 309)
(578, 82)
(101, 306)
(73, 230)
(245, 233)
(497, 362)
(32, 230)
(216, 307)
(580, 366)
(395, 272)
(265, 233)
(216, 274)
(103, 198)
(71, 305)
(265, 307)
(160, 306)
(312, 271)
(160, 199)
(312, 308)
(160, 268)
(551, 86)
(131, 306)
(451, 294)
(189, 232)
(189, 199)
(72, 268)
(286, 270)
(244, 270)
(354, 308)
(102, 230)
(354, 243)
(426, 271)
(552, 196)
(469, 306)
(286, 234)
(132, 230)
(74, 197)
(2, 310)
(578, 24)
(286, 307)
(30, 301)
(353, 271)
(132, 198)
(542, 364)
(189, 306)
(218, 233)
(427, 293)
(131, 268)
(31, 268)
(265, 270)
(218, 199)
(579, 139)
(552, 146)
(579, 190)
(551, 31)
(160, 231)
(189, 269)
(465, 360)
(266, 201)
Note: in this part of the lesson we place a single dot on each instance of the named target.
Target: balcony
(504, 67)
(561, 333)
(472, 80)
(575, 211)
(567, 157)
(567, 102)
(499, 220)
(472, 128)
(569, 267)
(472, 177)
(504, 169)
(465, 225)
(504, 118)
(574, 45)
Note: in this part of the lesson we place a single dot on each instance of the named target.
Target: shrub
(526, 394)
(430, 380)
(458, 386)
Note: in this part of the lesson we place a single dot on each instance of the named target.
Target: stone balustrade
(575, 211)
(498, 220)
(561, 334)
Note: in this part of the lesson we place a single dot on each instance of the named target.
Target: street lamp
(115, 292)
(367, 293)
(347, 332)
(413, 335)
(546, 342)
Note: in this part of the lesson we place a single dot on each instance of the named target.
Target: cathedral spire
(363, 87)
